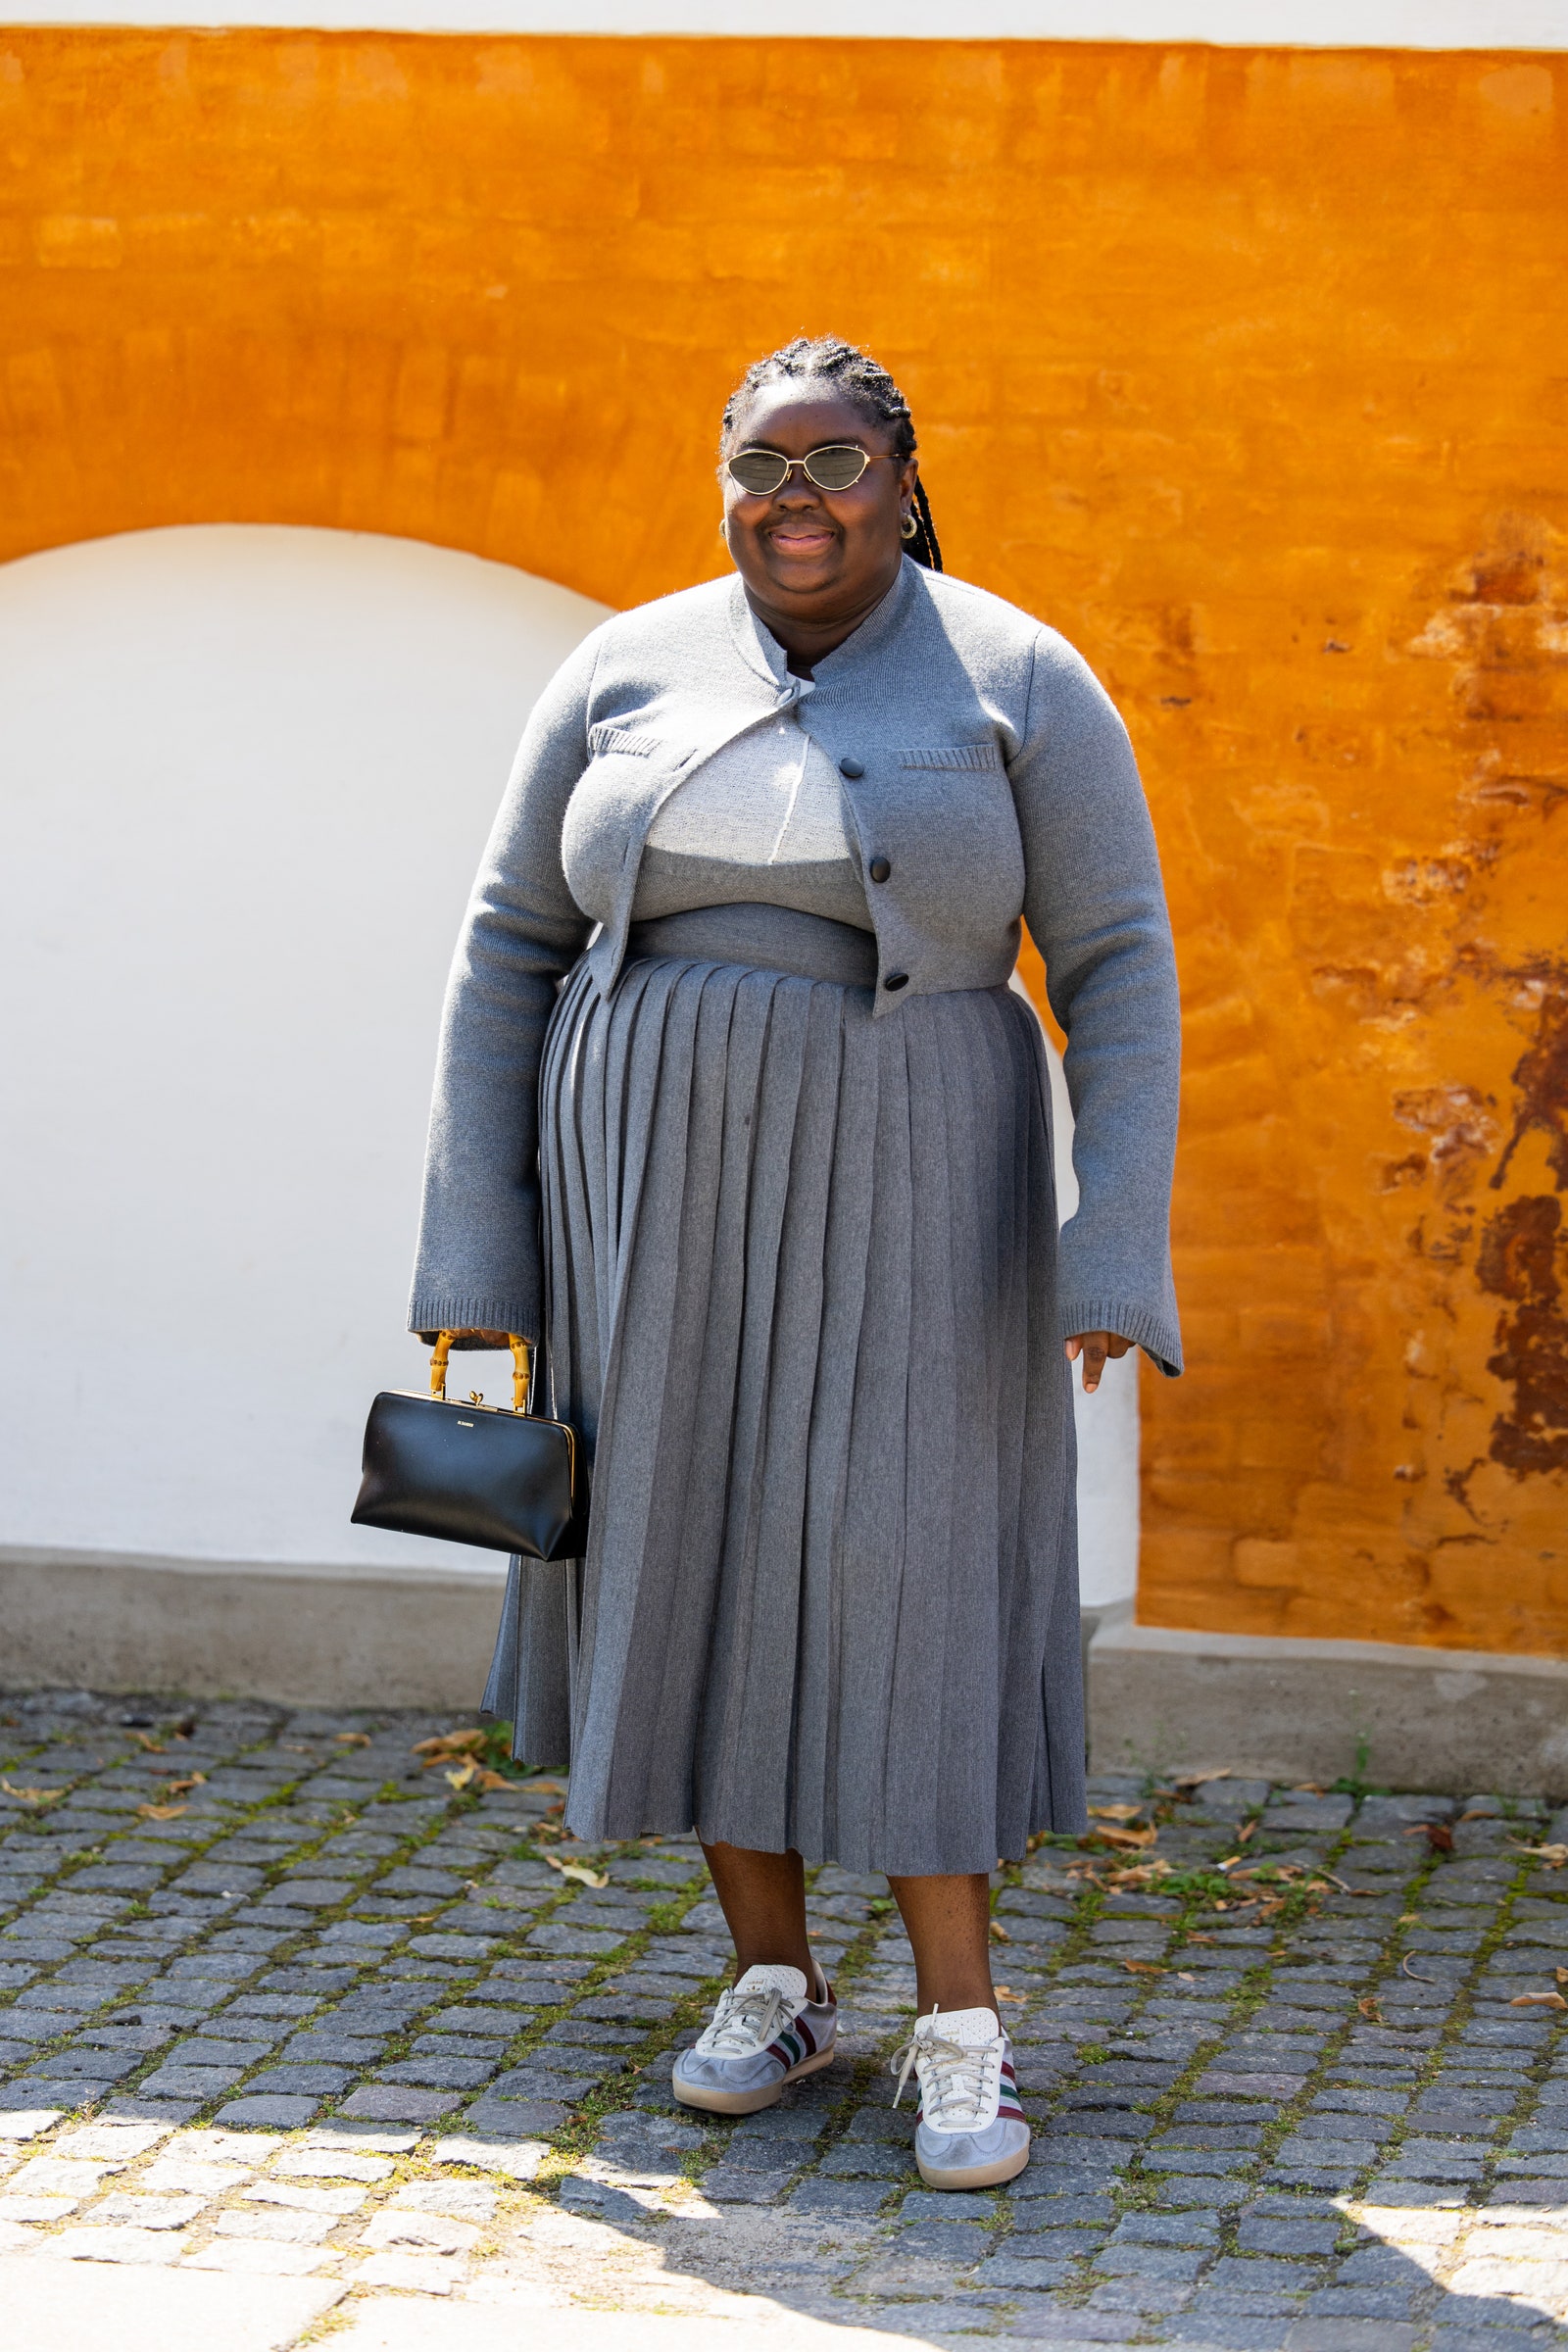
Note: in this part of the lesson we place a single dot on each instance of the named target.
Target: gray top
(761, 824)
(985, 775)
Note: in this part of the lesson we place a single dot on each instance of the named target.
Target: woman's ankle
(954, 1993)
(779, 1953)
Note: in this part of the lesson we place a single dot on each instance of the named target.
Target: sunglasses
(838, 466)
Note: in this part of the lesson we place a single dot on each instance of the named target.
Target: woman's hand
(1094, 1347)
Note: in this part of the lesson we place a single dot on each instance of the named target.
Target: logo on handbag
(519, 1488)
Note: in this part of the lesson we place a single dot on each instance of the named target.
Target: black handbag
(474, 1473)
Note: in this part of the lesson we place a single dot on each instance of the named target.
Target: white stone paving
(279, 2067)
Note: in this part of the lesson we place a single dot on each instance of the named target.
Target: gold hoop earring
(723, 529)
(909, 528)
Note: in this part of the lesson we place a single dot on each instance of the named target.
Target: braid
(826, 360)
(924, 547)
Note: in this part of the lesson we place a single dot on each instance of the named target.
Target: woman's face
(814, 554)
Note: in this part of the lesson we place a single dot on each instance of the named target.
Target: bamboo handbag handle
(521, 1367)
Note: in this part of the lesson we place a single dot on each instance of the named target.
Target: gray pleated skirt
(801, 1274)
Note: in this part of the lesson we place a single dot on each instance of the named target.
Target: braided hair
(825, 360)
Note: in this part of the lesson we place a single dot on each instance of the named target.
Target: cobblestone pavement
(279, 2002)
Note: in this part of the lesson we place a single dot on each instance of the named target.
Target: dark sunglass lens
(758, 472)
(835, 468)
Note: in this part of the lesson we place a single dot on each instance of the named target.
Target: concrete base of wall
(312, 1637)
(1459, 1721)
(1455, 1720)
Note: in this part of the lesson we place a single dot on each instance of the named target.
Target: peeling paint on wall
(1521, 1259)
(1398, 1082)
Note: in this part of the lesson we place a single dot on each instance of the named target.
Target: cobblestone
(335, 2020)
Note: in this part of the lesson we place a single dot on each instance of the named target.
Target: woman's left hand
(1094, 1347)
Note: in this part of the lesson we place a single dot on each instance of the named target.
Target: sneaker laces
(958, 2081)
(744, 2022)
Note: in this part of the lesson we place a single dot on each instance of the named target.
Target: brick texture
(1245, 368)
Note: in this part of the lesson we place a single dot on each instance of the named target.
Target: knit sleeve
(479, 1260)
(1095, 908)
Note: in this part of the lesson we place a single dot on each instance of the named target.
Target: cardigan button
(895, 980)
(850, 769)
(879, 869)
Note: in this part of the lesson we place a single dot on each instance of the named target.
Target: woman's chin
(806, 572)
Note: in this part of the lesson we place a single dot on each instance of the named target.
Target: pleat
(822, 1761)
(801, 1269)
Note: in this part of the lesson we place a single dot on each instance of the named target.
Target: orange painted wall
(1246, 368)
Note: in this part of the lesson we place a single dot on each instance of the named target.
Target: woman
(767, 1161)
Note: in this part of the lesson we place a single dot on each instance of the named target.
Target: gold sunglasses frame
(753, 450)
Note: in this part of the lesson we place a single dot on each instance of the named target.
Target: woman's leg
(948, 1923)
(772, 2024)
(764, 1898)
(971, 2132)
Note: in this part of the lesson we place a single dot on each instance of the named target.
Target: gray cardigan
(982, 762)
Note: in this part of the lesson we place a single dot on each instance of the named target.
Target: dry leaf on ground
(352, 1739)
(471, 1775)
(1553, 1857)
(579, 1871)
(34, 1796)
(1145, 1968)
(1538, 2001)
(448, 1746)
(162, 1812)
(1368, 2006)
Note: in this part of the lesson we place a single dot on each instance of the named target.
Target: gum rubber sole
(975, 2175)
(749, 2102)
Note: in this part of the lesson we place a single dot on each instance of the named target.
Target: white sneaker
(765, 2034)
(970, 2132)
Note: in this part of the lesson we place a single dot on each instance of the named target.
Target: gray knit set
(737, 1113)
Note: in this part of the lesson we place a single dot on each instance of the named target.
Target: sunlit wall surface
(1241, 364)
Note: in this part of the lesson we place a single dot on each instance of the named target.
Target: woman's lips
(801, 542)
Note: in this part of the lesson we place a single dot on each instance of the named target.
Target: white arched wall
(248, 772)
(1106, 1422)
(248, 775)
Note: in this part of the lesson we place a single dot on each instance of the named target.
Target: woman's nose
(798, 488)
